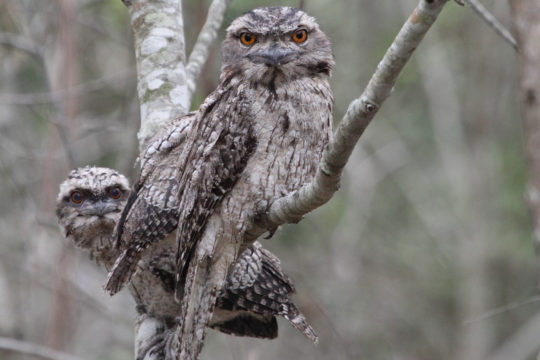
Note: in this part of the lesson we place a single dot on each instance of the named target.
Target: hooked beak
(273, 56)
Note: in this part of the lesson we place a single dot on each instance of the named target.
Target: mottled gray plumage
(212, 174)
(242, 308)
(88, 224)
(258, 284)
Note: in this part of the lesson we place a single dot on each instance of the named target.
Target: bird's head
(90, 202)
(272, 43)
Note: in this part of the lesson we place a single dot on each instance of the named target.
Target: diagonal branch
(60, 94)
(292, 207)
(206, 37)
(522, 343)
(29, 348)
(32, 48)
(492, 22)
(22, 43)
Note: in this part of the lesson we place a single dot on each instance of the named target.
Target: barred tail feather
(121, 272)
(299, 321)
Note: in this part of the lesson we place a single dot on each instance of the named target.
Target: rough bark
(526, 19)
(158, 33)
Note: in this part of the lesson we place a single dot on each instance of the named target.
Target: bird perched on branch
(211, 175)
(88, 208)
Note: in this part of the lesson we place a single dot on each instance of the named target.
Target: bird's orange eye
(247, 38)
(115, 193)
(77, 197)
(299, 36)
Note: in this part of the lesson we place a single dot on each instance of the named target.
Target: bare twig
(65, 139)
(25, 347)
(22, 43)
(503, 309)
(60, 94)
(492, 21)
(292, 207)
(521, 344)
(206, 37)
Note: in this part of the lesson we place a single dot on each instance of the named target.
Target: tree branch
(292, 207)
(32, 48)
(60, 94)
(25, 347)
(521, 344)
(158, 32)
(22, 43)
(206, 37)
(492, 22)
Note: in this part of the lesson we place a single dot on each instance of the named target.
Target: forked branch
(206, 37)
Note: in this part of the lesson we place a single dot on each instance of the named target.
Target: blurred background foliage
(424, 253)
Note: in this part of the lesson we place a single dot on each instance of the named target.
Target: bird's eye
(247, 38)
(77, 197)
(115, 193)
(299, 36)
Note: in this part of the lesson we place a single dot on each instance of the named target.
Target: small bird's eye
(77, 197)
(115, 193)
(299, 36)
(247, 38)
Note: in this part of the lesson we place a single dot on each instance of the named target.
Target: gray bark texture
(158, 33)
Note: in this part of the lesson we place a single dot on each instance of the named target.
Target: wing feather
(258, 285)
(215, 167)
(186, 171)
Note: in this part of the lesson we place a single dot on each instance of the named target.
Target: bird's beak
(273, 55)
(99, 209)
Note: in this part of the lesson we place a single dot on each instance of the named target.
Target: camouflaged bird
(211, 175)
(88, 208)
